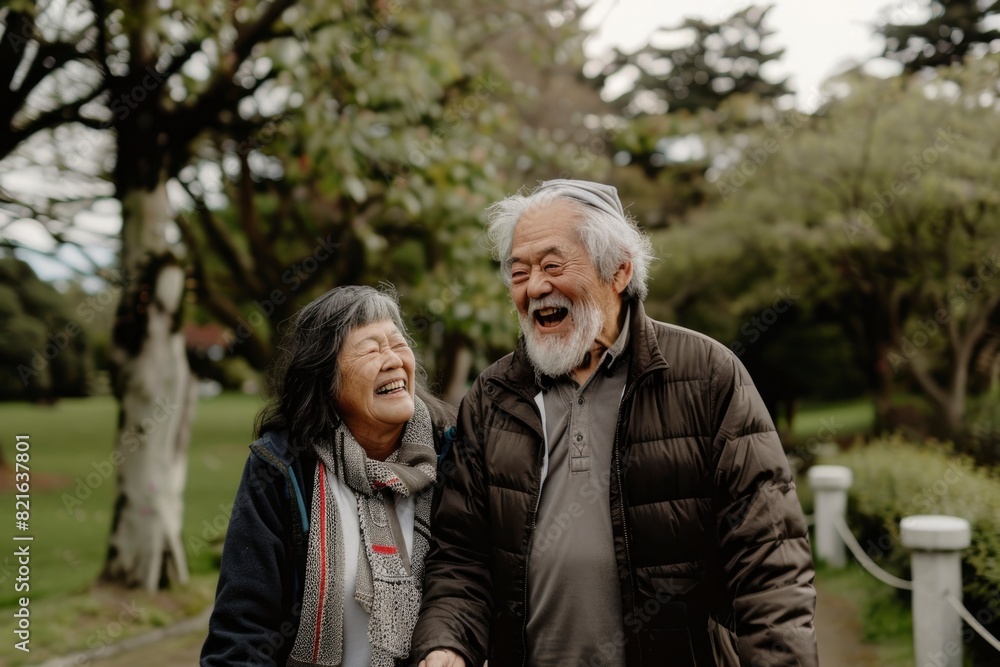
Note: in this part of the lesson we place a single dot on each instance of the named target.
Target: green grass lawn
(833, 420)
(72, 440)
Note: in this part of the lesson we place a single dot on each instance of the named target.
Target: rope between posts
(866, 562)
(971, 620)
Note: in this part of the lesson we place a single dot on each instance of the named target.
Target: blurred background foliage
(309, 144)
(839, 251)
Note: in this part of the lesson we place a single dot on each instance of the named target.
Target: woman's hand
(442, 657)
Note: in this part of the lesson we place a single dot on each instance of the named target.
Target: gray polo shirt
(574, 608)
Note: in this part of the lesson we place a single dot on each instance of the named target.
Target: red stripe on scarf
(382, 485)
(383, 549)
(321, 483)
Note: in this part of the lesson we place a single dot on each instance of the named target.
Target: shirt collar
(611, 357)
(614, 353)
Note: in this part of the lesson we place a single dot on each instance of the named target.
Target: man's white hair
(610, 240)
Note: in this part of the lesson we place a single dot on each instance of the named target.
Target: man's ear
(622, 277)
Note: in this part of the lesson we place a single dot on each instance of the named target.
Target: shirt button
(580, 401)
(579, 437)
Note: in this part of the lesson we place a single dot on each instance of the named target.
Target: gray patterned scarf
(389, 581)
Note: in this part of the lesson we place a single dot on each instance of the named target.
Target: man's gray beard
(557, 355)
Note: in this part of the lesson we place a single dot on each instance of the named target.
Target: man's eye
(551, 267)
(519, 276)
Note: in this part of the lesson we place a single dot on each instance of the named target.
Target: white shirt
(357, 645)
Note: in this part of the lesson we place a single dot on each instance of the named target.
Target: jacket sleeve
(246, 625)
(457, 598)
(762, 532)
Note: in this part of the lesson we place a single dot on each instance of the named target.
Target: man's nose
(538, 284)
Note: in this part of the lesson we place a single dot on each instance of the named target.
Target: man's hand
(442, 657)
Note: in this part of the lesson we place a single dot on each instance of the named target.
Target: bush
(894, 478)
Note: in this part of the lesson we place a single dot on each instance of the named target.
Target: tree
(326, 127)
(398, 208)
(720, 59)
(884, 207)
(160, 77)
(955, 29)
(692, 100)
(43, 354)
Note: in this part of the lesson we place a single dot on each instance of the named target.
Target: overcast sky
(818, 38)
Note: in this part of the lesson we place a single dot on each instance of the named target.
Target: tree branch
(101, 48)
(246, 212)
(190, 48)
(60, 53)
(219, 239)
(924, 379)
(225, 310)
(222, 88)
(18, 29)
(68, 113)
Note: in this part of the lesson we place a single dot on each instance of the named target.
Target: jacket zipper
(626, 407)
(527, 555)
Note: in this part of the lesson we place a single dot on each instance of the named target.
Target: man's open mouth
(392, 387)
(551, 316)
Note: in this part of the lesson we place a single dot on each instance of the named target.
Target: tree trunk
(882, 389)
(456, 381)
(952, 413)
(155, 388)
(455, 367)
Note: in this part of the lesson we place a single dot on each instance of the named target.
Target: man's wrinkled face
(562, 302)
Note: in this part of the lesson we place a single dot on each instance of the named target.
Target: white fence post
(830, 485)
(936, 542)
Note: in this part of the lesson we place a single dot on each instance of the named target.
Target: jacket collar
(646, 354)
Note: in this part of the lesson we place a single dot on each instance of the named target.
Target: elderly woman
(324, 556)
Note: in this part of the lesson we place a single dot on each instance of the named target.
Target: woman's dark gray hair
(305, 378)
(610, 240)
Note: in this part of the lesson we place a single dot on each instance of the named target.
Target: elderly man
(619, 495)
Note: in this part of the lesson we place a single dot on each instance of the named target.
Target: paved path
(838, 632)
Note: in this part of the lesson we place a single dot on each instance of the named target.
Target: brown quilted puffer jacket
(713, 556)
